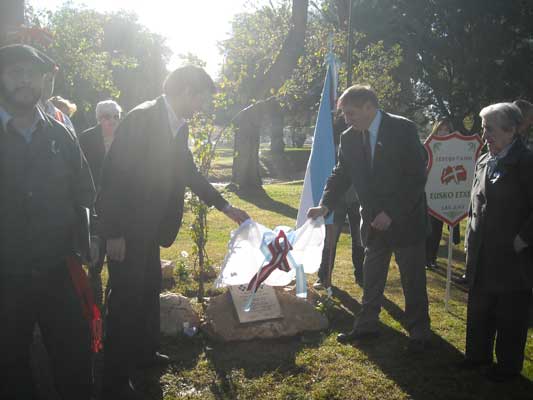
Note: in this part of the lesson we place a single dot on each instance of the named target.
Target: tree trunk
(277, 145)
(245, 171)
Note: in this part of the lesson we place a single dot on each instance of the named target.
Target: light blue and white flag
(322, 158)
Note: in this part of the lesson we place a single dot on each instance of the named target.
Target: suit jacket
(501, 207)
(394, 183)
(92, 144)
(144, 177)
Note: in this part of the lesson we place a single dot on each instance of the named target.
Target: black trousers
(500, 317)
(433, 239)
(50, 300)
(132, 317)
(358, 251)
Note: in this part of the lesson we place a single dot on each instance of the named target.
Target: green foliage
(256, 37)
(255, 41)
(192, 59)
(78, 49)
(103, 55)
(458, 55)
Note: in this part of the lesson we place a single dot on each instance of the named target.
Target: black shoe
(356, 335)
(461, 280)
(470, 365)
(156, 360)
(431, 265)
(495, 374)
(125, 391)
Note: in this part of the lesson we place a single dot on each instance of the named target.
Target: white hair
(107, 107)
(507, 115)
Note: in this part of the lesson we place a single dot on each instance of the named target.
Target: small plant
(326, 305)
(181, 272)
(204, 139)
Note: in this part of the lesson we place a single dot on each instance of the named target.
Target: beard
(22, 99)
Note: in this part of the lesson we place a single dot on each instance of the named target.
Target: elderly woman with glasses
(498, 245)
(95, 143)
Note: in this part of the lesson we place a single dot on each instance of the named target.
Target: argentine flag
(322, 158)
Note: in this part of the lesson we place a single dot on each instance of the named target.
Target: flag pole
(349, 49)
(449, 269)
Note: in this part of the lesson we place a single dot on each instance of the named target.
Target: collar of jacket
(513, 156)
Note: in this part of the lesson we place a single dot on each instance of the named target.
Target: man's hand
(315, 212)
(236, 214)
(381, 222)
(519, 244)
(116, 249)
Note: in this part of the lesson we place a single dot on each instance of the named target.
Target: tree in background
(102, 56)
(458, 55)
(255, 42)
(260, 56)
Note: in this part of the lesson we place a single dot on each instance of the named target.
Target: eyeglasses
(116, 117)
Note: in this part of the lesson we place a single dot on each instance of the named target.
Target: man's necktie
(367, 150)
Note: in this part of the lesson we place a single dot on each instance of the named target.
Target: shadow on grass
(255, 358)
(184, 352)
(432, 374)
(262, 200)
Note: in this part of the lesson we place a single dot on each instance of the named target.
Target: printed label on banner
(451, 166)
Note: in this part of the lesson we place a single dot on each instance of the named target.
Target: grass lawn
(317, 367)
(291, 165)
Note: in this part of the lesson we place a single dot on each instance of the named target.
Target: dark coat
(43, 184)
(144, 176)
(499, 210)
(394, 184)
(92, 144)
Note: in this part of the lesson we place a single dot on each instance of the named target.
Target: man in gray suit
(381, 155)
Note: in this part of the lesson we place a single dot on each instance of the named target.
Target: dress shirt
(373, 131)
(175, 123)
(27, 133)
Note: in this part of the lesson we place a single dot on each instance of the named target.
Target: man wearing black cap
(44, 181)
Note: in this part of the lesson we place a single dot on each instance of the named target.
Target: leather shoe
(356, 335)
(125, 391)
(156, 360)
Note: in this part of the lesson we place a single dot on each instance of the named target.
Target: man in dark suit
(140, 207)
(381, 155)
(498, 242)
(95, 142)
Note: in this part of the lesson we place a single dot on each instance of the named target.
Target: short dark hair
(358, 95)
(189, 77)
